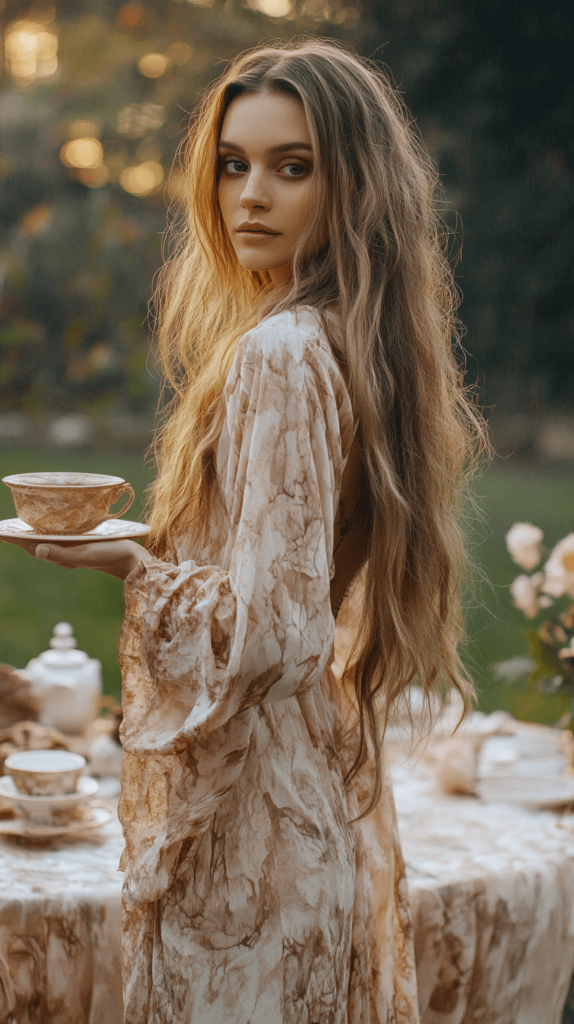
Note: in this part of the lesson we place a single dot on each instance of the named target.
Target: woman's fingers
(57, 554)
(96, 555)
(60, 554)
(115, 557)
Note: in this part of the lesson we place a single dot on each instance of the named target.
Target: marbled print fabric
(249, 898)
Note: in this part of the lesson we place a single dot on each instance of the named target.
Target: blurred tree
(94, 101)
(492, 87)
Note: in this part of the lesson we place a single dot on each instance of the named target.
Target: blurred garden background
(94, 100)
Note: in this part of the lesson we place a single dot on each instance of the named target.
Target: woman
(317, 438)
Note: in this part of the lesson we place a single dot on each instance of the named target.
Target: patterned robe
(250, 897)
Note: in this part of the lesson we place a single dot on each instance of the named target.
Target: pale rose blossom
(559, 569)
(523, 541)
(567, 652)
(526, 593)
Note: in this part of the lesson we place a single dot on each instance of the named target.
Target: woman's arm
(116, 557)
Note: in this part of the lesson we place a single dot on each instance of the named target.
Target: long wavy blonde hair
(383, 267)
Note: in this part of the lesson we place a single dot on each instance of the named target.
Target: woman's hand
(116, 557)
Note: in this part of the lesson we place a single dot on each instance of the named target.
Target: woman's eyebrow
(285, 147)
(231, 145)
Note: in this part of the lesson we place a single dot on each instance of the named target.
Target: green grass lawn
(34, 596)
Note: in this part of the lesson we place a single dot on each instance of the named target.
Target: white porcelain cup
(45, 772)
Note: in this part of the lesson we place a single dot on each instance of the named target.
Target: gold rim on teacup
(67, 503)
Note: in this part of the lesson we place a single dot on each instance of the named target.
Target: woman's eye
(294, 170)
(235, 166)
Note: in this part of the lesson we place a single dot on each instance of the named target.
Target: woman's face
(266, 178)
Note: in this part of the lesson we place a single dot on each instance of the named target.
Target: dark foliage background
(491, 88)
(489, 84)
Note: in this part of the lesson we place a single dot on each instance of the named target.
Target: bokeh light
(153, 65)
(129, 16)
(179, 53)
(139, 118)
(274, 8)
(30, 50)
(82, 153)
(143, 179)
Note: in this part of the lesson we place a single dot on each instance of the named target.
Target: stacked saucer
(49, 795)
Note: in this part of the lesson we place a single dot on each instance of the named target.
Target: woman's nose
(255, 195)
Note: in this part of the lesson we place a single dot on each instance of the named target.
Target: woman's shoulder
(295, 335)
(291, 352)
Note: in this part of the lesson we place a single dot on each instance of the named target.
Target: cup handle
(124, 488)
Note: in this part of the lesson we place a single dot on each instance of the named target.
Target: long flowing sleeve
(204, 645)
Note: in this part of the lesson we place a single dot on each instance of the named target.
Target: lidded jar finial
(63, 638)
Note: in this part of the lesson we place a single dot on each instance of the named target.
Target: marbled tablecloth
(492, 892)
(60, 932)
(491, 885)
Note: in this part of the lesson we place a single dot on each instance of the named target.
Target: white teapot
(67, 682)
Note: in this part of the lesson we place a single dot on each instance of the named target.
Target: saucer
(33, 808)
(87, 786)
(95, 817)
(113, 529)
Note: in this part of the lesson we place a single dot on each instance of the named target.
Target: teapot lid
(62, 654)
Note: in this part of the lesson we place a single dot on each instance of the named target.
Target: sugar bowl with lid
(67, 682)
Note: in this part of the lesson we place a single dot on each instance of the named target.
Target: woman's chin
(261, 263)
(257, 266)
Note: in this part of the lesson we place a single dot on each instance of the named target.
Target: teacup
(66, 503)
(45, 772)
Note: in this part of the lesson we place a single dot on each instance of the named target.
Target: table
(492, 892)
(491, 886)
(60, 932)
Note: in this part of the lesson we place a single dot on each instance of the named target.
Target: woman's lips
(256, 233)
(256, 236)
